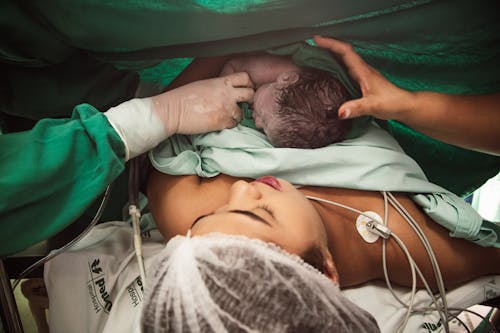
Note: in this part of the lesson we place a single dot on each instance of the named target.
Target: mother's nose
(242, 192)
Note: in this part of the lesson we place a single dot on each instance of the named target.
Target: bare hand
(381, 99)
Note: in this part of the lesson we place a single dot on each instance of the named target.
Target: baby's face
(266, 104)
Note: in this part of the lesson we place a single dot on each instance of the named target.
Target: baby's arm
(199, 69)
(262, 68)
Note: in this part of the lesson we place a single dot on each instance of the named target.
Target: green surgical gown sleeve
(52, 173)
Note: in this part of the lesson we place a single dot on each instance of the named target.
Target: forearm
(467, 121)
(176, 201)
(52, 173)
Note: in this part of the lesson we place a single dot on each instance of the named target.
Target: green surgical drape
(54, 56)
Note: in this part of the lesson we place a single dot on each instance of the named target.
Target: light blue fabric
(372, 161)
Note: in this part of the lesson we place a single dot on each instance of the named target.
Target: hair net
(222, 283)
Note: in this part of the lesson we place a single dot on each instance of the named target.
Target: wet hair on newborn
(308, 113)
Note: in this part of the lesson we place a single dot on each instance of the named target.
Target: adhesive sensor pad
(361, 222)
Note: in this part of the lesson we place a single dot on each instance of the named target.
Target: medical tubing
(442, 309)
(416, 228)
(412, 262)
(444, 318)
(424, 281)
(133, 181)
(383, 243)
(386, 273)
(413, 279)
(384, 261)
(135, 214)
(437, 307)
(384, 249)
(435, 266)
(386, 209)
(401, 210)
(437, 271)
(69, 244)
(339, 205)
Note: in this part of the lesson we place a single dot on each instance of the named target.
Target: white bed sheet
(102, 267)
(378, 300)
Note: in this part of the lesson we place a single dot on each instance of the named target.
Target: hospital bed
(13, 266)
(9, 269)
(369, 24)
(374, 297)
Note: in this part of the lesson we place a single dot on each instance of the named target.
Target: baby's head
(300, 109)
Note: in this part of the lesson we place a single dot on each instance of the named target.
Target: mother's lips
(270, 181)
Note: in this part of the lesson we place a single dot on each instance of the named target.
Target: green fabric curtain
(445, 46)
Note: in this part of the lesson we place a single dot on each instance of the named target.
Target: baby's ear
(287, 78)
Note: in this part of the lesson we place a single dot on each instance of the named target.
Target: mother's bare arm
(176, 201)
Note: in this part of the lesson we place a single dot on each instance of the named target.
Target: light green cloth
(372, 161)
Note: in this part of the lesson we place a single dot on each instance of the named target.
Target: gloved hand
(204, 106)
(198, 107)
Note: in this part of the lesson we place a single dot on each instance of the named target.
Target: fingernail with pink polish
(343, 114)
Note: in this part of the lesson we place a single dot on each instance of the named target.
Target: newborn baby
(296, 107)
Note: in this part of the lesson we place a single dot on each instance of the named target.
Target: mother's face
(271, 210)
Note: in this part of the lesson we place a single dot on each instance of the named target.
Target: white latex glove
(198, 107)
(204, 106)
